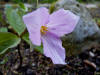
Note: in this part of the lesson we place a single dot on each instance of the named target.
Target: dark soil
(35, 63)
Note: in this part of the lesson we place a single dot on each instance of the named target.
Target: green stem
(37, 3)
(31, 47)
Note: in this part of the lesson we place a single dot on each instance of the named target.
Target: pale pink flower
(48, 28)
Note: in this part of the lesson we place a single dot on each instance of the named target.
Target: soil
(35, 63)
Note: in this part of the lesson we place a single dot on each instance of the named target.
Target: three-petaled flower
(48, 28)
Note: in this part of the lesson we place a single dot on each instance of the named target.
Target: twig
(20, 57)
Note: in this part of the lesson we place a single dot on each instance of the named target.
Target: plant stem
(37, 3)
(20, 57)
(31, 47)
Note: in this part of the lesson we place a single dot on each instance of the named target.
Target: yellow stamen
(43, 29)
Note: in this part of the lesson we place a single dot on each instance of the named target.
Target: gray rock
(86, 26)
(86, 33)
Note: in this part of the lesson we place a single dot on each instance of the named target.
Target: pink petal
(53, 48)
(62, 22)
(34, 21)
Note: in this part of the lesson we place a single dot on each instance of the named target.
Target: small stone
(91, 54)
(15, 67)
(25, 60)
(33, 64)
(15, 72)
(30, 72)
(94, 50)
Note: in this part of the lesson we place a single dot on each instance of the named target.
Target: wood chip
(90, 63)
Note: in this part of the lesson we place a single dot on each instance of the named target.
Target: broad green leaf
(26, 38)
(15, 20)
(8, 40)
(3, 29)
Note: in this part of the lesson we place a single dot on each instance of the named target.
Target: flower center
(43, 29)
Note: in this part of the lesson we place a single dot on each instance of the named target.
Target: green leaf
(26, 38)
(8, 40)
(23, 7)
(15, 20)
(3, 29)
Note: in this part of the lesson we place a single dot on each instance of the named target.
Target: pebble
(30, 72)
(91, 54)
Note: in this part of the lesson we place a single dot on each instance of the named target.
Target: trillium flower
(48, 28)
